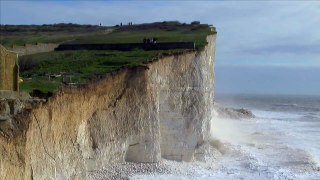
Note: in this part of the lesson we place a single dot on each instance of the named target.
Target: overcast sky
(253, 36)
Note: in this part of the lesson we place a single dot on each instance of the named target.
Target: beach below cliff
(165, 169)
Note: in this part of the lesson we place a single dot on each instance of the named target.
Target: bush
(27, 63)
(195, 23)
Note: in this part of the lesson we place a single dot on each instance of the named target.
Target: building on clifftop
(9, 70)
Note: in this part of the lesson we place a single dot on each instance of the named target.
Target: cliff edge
(142, 114)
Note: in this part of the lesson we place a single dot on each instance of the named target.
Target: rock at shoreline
(232, 113)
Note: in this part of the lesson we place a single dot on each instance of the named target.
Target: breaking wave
(281, 142)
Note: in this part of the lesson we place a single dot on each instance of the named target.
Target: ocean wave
(275, 115)
(311, 117)
(294, 106)
(253, 150)
(284, 104)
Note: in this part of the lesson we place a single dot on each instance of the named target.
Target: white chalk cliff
(159, 110)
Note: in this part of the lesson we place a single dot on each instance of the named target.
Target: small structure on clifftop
(9, 71)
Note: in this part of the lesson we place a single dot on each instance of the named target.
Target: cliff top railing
(127, 46)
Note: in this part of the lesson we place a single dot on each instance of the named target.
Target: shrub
(195, 23)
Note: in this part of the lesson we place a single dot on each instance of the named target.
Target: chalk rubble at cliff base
(129, 170)
(232, 113)
(213, 152)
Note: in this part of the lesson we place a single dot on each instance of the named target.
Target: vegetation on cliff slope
(46, 71)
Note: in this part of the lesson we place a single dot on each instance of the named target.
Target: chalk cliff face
(160, 110)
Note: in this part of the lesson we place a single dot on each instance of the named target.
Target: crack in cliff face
(118, 98)
(31, 173)
(94, 144)
(134, 144)
(41, 137)
(5, 134)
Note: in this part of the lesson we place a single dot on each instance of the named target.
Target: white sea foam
(275, 115)
(274, 145)
(253, 149)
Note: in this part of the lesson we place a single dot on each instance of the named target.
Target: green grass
(42, 85)
(189, 33)
(80, 66)
(83, 66)
(33, 39)
(163, 31)
(56, 33)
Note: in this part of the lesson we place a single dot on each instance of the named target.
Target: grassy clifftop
(163, 31)
(171, 31)
(47, 71)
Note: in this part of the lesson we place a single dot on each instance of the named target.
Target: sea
(281, 142)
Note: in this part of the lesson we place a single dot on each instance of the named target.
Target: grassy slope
(82, 66)
(32, 34)
(79, 66)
